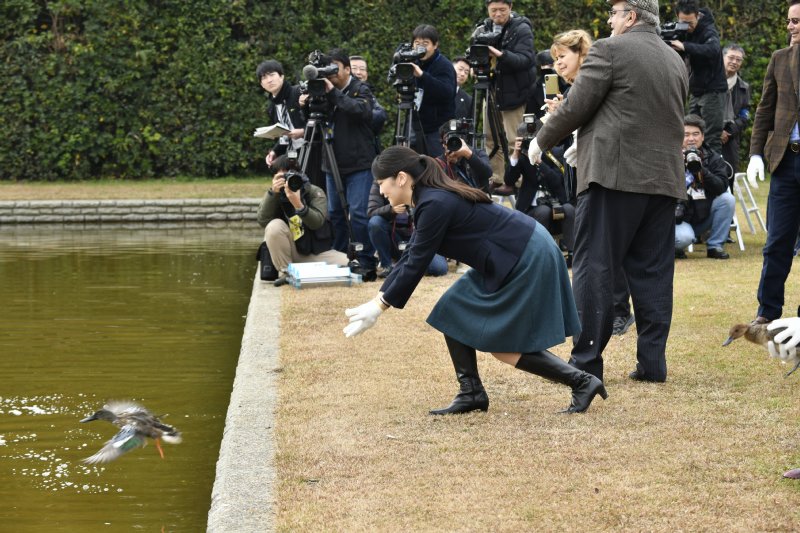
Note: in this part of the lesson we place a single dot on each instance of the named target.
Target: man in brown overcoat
(627, 105)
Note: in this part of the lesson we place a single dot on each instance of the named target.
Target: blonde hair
(578, 41)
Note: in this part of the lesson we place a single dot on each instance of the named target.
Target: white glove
(755, 169)
(534, 152)
(790, 337)
(362, 318)
(571, 154)
(778, 351)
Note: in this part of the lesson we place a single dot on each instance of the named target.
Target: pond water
(89, 315)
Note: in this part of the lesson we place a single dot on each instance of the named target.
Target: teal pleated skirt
(533, 309)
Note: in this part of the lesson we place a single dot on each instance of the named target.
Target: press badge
(296, 227)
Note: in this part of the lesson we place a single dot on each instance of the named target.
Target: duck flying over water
(136, 425)
(757, 334)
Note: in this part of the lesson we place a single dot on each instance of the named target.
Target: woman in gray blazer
(515, 302)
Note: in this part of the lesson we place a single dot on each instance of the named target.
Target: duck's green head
(102, 414)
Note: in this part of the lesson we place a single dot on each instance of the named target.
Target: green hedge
(134, 88)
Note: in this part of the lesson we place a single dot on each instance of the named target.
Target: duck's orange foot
(158, 446)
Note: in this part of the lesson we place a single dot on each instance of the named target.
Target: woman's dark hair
(425, 171)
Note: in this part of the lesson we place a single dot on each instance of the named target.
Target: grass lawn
(136, 190)
(705, 451)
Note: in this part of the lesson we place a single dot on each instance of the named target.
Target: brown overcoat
(627, 104)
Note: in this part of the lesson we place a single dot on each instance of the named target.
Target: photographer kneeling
(542, 194)
(709, 205)
(461, 161)
(295, 215)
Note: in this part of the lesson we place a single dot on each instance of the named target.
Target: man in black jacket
(284, 107)
(350, 101)
(467, 164)
(515, 74)
(463, 98)
(707, 85)
(709, 204)
(436, 90)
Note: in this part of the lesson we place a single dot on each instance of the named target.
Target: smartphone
(551, 88)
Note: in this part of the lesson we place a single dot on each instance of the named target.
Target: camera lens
(453, 143)
(294, 181)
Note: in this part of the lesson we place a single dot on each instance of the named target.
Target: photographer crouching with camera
(542, 194)
(461, 160)
(294, 214)
(709, 205)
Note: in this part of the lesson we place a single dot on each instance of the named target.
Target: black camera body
(529, 119)
(459, 129)
(674, 31)
(401, 73)
(692, 160)
(320, 67)
(478, 55)
(408, 53)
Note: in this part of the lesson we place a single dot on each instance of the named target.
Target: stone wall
(82, 211)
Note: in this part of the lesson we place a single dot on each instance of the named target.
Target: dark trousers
(617, 230)
(783, 220)
(622, 304)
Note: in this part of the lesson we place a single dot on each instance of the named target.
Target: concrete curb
(92, 211)
(242, 499)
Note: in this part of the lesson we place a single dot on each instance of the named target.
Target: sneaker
(622, 324)
(717, 253)
(384, 272)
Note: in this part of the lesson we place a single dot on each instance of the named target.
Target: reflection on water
(93, 314)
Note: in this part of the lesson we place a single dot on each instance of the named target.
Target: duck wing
(126, 408)
(124, 441)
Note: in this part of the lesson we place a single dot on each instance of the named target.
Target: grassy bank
(144, 189)
(703, 452)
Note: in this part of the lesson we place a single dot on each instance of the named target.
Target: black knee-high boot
(471, 394)
(584, 385)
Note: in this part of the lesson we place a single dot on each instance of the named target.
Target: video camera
(674, 31)
(692, 160)
(320, 67)
(478, 55)
(459, 129)
(401, 73)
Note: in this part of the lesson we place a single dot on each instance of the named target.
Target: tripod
(317, 128)
(408, 119)
(483, 91)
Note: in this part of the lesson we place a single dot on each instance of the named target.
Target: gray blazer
(777, 111)
(628, 101)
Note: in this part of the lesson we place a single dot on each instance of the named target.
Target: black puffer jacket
(705, 57)
(516, 68)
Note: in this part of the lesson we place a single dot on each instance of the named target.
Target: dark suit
(775, 117)
(628, 103)
(485, 236)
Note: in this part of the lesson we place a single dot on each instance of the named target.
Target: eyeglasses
(612, 12)
(792, 21)
(735, 59)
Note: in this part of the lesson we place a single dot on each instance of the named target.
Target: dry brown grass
(135, 190)
(705, 451)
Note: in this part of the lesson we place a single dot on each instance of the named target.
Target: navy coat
(486, 236)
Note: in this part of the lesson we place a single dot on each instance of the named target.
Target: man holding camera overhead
(436, 89)
(515, 73)
(709, 205)
(294, 215)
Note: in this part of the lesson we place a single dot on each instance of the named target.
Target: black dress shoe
(638, 376)
(715, 253)
(680, 254)
(280, 282)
